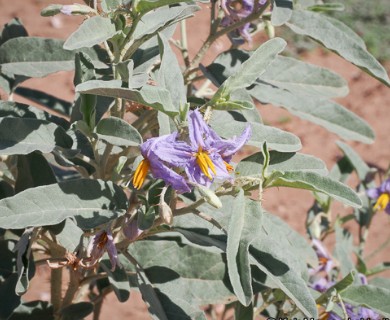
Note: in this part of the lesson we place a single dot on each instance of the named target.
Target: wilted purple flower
(152, 150)
(236, 10)
(382, 196)
(131, 230)
(101, 242)
(206, 156)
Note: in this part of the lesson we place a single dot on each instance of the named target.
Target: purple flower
(131, 230)
(100, 243)
(152, 150)
(381, 195)
(236, 10)
(206, 156)
(325, 260)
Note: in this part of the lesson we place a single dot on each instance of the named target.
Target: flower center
(102, 240)
(204, 162)
(382, 201)
(140, 173)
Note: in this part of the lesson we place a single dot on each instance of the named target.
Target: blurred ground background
(368, 98)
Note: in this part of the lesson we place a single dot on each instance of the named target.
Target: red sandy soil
(368, 98)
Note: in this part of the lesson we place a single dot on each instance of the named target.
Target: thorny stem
(73, 286)
(184, 45)
(211, 220)
(214, 36)
(104, 159)
(342, 306)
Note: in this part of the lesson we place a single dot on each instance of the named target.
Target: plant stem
(214, 36)
(73, 286)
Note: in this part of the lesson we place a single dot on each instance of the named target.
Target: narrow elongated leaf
(253, 165)
(343, 251)
(281, 12)
(90, 202)
(326, 113)
(283, 72)
(24, 135)
(357, 162)
(38, 57)
(339, 38)
(276, 139)
(303, 78)
(244, 223)
(251, 69)
(169, 75)
(315, 182)
(144, 6)
(93, 31)
(118, 132)
(151, 96)
(369, 296)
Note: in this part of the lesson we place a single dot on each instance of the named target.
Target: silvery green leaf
(144, 6)
(343, 251)
(357, 162)
(303, 78)
(118, 280)
(245, 221)
(380, 282)
(286, 73)
(281, 12)
(34, 310)
(51, 10)
(251, 69)
(44, 99)
(24, 262)
(326, 113)
(339, 38)
(325, 7)
(370, 297)
(275, 247)
(68, 234)
(12, 29)
(232, 105)
(276, 139)
(90, 202)
(91, 32)
(33, 171)
(156, 97)
(163, 17)
(315, 182)
(24, 135)
(340, 286)
(180, 287)
(286, 161)
(169, 75)
(38, 57)
(118, 132)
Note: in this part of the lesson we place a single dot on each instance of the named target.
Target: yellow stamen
(382, 201)
(140, 173)
(204, 162)
(228, 166)
(322, 313)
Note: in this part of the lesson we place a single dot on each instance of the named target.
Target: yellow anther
(382, 201)
(140, 173)
(204, 162)
(228, 166)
